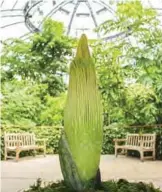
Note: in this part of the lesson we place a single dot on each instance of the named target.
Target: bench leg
(116, 152)
(153, 155)
(126, 152)
(142, 155)
(44, 151)
(34, 152)
(5, 154)
(17, 155)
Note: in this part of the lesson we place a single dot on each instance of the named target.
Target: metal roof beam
(93, 14)
(104, 5)
(15, 4)
(64, 10)
(82, 14)
(26, 11)
(11, 24)
(56, 8)
(4, 10)
(72, 17)
(2, 3)
(12, 16)
(101, 10)
(123, 34)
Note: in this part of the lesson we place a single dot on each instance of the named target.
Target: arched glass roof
(20, 18)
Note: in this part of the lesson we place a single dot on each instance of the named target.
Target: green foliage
(129, 69)
(2, 147)
(124, 101)
(140, 107)
(32, 73)
(21, 102)
(53, 110)
(110, 133)
(43, 58)
(25, 103)
(130, 15)
(137, 58)
(111, 81)
(121, 185)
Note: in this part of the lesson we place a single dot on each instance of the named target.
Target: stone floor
(18, 176)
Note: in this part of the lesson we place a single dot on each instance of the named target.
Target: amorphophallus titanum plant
(81, 141)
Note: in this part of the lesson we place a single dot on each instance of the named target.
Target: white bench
(22, 142)
(142, 143)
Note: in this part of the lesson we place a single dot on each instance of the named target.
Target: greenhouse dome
(21, 18)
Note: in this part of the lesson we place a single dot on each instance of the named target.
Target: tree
(111, 80)
(140, 107)
(21, 103)
(138, 58)
(43, 58)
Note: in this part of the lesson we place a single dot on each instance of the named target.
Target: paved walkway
(18, 176)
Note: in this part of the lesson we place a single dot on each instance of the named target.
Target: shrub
(2, 147)
(53, 111)
(109, 134)
(21, 102)
(108, 186)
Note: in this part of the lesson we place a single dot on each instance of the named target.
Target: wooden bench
(142, 143)
(18, 142)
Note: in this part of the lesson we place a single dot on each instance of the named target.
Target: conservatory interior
(81, 95)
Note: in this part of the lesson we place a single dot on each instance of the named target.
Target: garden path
(18, 176)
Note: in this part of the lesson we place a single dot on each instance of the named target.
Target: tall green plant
(81, 142)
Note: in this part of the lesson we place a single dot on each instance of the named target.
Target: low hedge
(53, 133)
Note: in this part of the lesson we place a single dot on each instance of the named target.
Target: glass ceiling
(20, 18)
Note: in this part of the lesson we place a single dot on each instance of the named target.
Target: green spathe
(83, 114)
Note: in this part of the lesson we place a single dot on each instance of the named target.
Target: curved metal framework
(2, 3)
(93, 14)
(60, 6)
(72, 17)
(12, 24)
(27, 16)
(6, 13)
(55, 9)
(31, 9)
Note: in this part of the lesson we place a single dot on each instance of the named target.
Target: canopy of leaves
(21, 103)
(43, 58)
(130, 68)
(53, 110)
(32, 74)
(26, 104)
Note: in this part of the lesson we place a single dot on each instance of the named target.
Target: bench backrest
(134, 139)
(26, 139)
